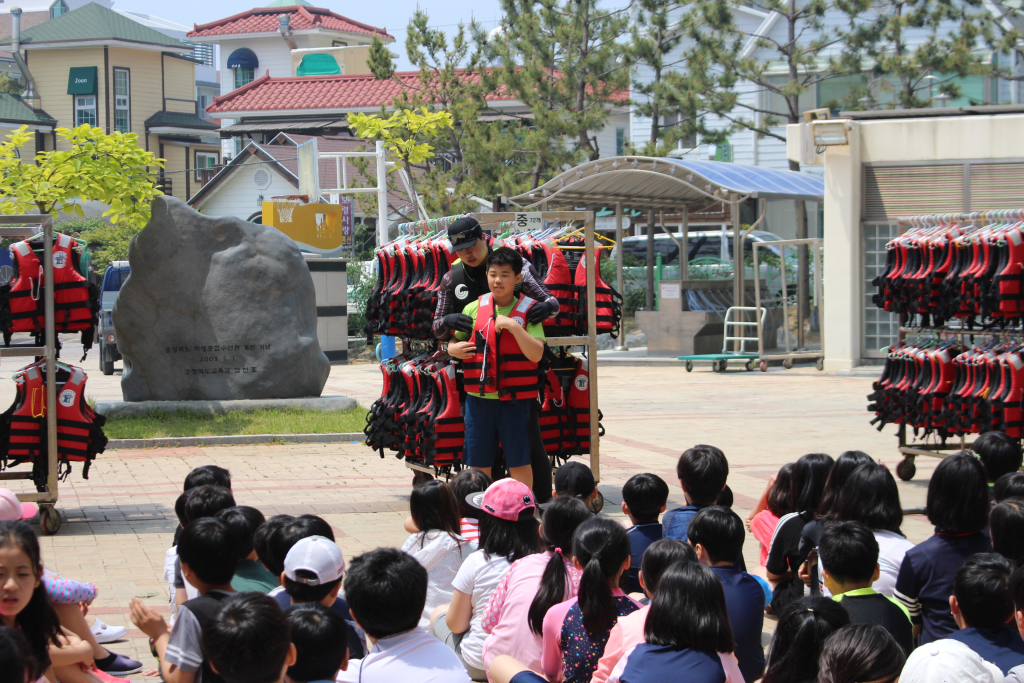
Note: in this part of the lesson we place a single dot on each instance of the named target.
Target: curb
(177, 442)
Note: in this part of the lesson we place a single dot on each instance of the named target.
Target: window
(689, 141)
(338, 43)
(122, 99)
(202, 52)
(620, 141)
(204, 102)
(243, 75)
(85, 110)
(205, 163)
(777, 104)
(239, 145)
(58, 8)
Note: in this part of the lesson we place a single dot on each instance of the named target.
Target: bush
(636, 291)
(362, 285)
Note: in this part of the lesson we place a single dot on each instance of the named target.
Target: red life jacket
(75, 306)
(449, 425)
(499, 364)
(579, 410)
(553, 422)
(609, 302)
(558, 281)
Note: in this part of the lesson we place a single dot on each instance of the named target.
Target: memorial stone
(216, 309)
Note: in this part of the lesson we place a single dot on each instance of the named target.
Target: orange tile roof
(265, 20)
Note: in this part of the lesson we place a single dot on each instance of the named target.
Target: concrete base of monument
(141, 408)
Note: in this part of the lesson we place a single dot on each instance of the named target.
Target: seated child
(576, 631)
(202, 501)
(702, 472)
(248, 640)
(861, 652)
(208, 557)
(804, 626)
(944, 661)
(643, 500)
(386, 590)
(1006, 526)
(999, 455)
(466, 482)
(982, 607)
(848, 555)
(1009, 486)
(319, 636)
(250, 575)
(958, 507)
(437, 544)
(261, 543)
(16, 659)
(574, 478)
(716, 534)
(777, 503)
(1016, 674)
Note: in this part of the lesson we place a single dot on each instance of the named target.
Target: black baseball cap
(575, 478)
(464, 233)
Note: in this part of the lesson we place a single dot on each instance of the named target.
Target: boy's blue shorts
(489, 421)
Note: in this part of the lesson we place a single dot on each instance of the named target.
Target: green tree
(105, 167)
(10, 85)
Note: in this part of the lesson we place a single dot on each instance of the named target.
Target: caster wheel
(819, 364)
(714, 366)
(788, 363)
(750, 366)
(906, 470)
(723, 365)
(689, 366)
(596, 504)
(764, 366)
(49, 519)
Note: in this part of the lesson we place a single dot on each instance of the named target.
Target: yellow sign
(316, 228)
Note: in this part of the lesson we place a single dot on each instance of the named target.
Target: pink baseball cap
(507, 499)
(12, 509)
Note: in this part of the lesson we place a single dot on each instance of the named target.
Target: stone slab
(133, 408)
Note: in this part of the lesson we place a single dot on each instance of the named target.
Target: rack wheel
(715, 367)
(819, 364)
(689, 366)
(596, 504)
(764, 366)
(906, 469)
(49, 519)
(788, 363)
(750, 366)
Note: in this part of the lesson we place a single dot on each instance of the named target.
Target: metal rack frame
(789, 356)
(25, 226)
(491, 221)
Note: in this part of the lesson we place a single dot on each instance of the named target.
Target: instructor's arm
(531, 347)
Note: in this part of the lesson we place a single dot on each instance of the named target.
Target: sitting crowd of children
(490, 587)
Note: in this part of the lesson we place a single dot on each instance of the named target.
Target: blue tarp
(757, 180)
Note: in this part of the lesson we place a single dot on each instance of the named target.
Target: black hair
(209, 547)
(206, 501)
(659, 556)
(703, 471)
(303, 592)
(247, 639)
(320, 637)
(780, 495)
(999, 454)
(861, 652)
(1006, 525)
(38, 621)
(871, 497)
(849, 551)
(810, 472)
(844, 466)
(386, 590)
(261, 541)
(244, 522)
(720, 531)
(290, 533)
(601, 547)
(464, 483)
(179, 508)
(561, 519)
(511, 540)
(1017, 588)
(804, 626)
(16, 658)
(957, 501)
(688, 610)
(725, 497)
(504, 256)
(645, 494)
(208, 475)
(1009, 486)
(982, 590)
(433, 507)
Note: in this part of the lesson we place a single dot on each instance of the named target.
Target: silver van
(701, 243)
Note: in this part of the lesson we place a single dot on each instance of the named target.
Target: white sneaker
(105, 633)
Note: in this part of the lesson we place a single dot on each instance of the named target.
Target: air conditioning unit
(809, 155)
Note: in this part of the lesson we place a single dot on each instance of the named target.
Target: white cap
(11, 509)
(318, 555)
(948, 661)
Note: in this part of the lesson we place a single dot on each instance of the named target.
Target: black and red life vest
(79, 428)
(499, 365)
(566, 279)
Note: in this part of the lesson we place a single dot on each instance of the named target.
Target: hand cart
(25, 227)
(733, 319)
(792, 353)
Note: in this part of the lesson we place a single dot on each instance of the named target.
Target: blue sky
(392, 14)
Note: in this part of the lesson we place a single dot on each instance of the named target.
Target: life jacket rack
(957, 366)
(46, 494)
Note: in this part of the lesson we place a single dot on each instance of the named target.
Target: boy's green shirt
(535, 330)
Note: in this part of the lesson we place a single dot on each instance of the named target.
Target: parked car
(115, 275)
(702, 243)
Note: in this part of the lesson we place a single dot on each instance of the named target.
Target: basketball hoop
(286, 204)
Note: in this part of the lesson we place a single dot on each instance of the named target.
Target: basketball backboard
(308, 159)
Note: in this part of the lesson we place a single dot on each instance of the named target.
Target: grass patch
(182, 423)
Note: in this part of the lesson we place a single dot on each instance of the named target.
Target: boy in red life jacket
(500, 369)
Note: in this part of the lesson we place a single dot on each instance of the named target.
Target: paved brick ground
(119, 522)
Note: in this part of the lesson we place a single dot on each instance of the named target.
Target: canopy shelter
(660, 184)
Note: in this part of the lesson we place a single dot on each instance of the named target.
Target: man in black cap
(465, 283)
